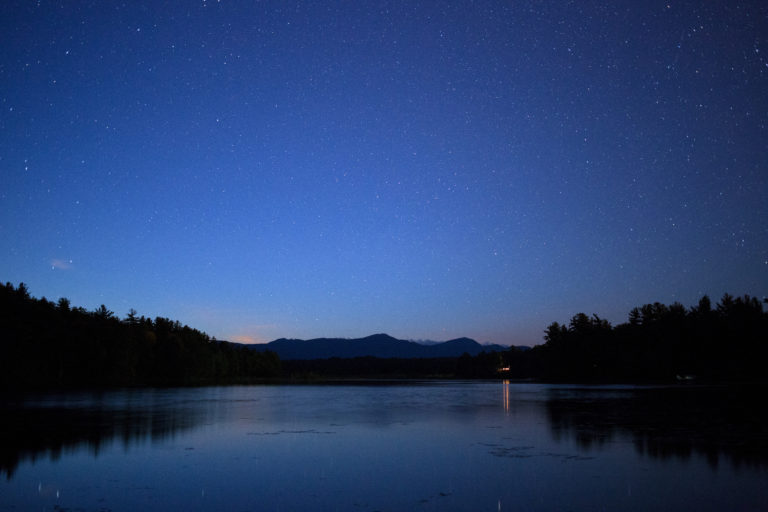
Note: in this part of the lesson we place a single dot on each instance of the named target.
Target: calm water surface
(386, 446)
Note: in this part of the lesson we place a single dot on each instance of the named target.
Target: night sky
(430, 170)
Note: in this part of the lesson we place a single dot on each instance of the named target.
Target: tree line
(369, 367)
(47, 344)
(724, 342)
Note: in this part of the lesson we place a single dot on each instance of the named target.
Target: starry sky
(266, 169)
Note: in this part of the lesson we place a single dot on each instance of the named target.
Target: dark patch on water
(513, 452)
(279, 432)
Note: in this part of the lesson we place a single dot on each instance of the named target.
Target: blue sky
(262, 169)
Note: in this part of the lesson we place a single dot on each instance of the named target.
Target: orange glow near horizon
(245, 338)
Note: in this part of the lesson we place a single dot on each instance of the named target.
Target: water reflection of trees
(718, 423)
(30, 433)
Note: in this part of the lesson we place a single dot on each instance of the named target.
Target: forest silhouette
(725, 342)
(46, 345)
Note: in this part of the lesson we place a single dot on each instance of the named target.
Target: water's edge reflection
(716, 422)
(54, 425)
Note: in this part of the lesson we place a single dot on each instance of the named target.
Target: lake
(386, 446)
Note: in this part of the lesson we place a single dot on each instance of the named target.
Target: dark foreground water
(447, 446)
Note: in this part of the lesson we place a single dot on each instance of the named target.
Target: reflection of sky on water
(427, 446)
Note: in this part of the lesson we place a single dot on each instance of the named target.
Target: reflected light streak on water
(505, 391)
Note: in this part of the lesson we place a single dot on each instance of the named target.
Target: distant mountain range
(377, 345)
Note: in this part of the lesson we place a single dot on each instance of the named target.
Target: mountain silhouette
(376, 345)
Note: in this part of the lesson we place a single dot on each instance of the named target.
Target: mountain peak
(379, 337)
(463, 341)
(376, 345)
